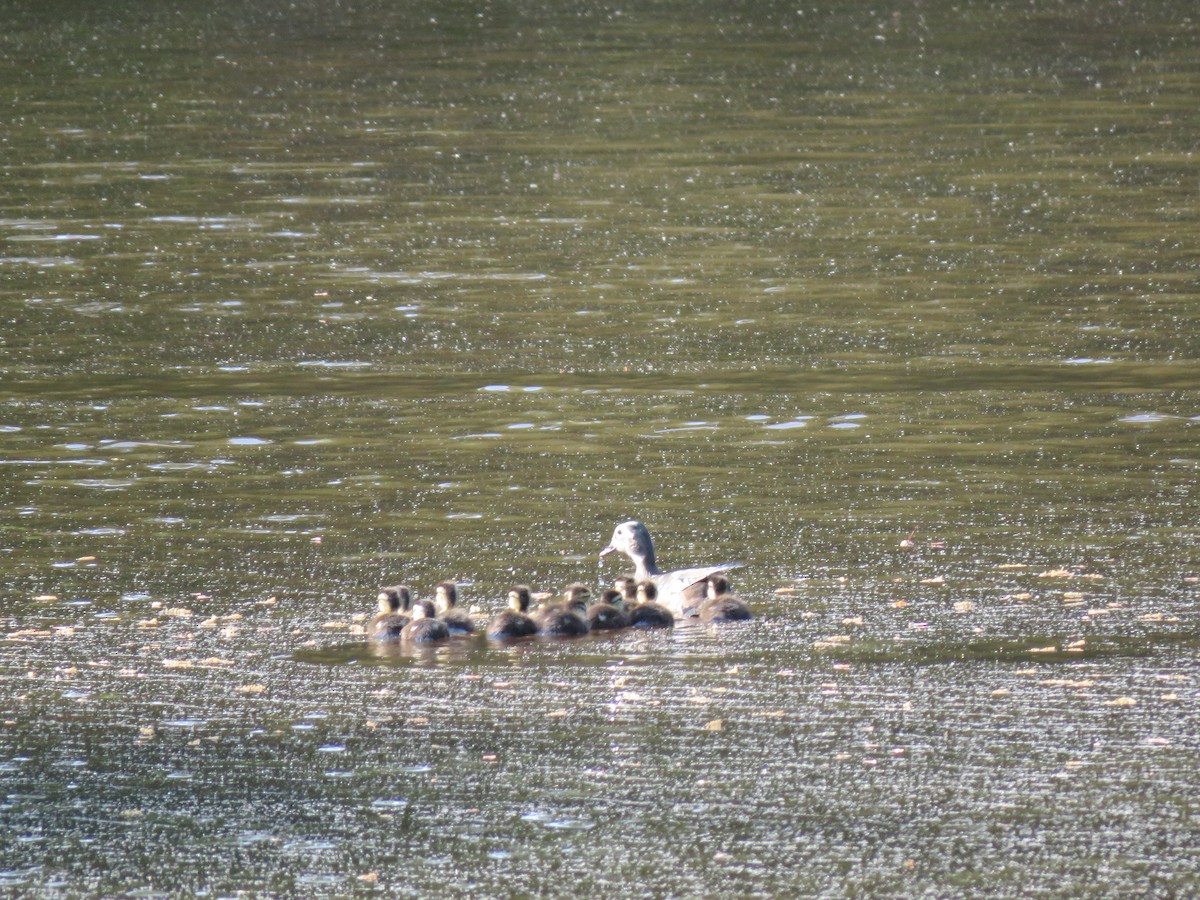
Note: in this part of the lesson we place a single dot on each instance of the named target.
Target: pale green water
(298, 301)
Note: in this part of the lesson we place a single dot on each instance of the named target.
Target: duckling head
(628, 588)
(612, 597)
(423, 609)
(395, 599)
(718, 585)
(447, 596)
(647, 592)
(519, 598)
(577, 595)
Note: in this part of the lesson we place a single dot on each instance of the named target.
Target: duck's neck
(646, 567)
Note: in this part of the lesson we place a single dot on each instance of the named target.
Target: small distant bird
(607, 614)
(395, 605)
(568, 618)
(515, 621)
(648, 613)
(457, 621)
(722, 604)
(425, 627)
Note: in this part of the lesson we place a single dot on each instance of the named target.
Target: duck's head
(577, 595)
(718, 584)
(447, 596)
(633, 539)
(627, 587)
(423, 609)
(647, 592)
(397, 598)
(519, 598)
(612, 597)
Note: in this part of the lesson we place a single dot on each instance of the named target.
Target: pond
(897, 306)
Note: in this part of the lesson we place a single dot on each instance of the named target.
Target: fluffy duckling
(647, 613)
(514, 622)
(457, 621)
(395, 604)
(722, 604)
(566, 619)
(608, 614)
(425, 627)
(626, 585)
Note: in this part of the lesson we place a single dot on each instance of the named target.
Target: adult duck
(681, 591)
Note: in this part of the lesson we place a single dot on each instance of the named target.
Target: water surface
(309, 298)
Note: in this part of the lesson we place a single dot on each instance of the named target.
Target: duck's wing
(683, 590)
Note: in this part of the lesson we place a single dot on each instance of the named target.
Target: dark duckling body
(425, 627)
(515, 621)
(395, 606)
(648, 613)
(457, 621)
(722, 604)
(608, 614)
(568, 618)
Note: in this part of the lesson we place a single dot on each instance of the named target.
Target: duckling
(395, 604)
(648, 614)
(608, 614)
(425, 627)
(568, 618)
(627, 586)
(456, 620)
(514, 622)
(722, 604)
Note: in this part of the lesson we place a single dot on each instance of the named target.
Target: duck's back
(606, 617)
(560, 621)
(511, 624)
(387, 627)
(725, 608)
(424, 631)
(684, 590)
(651, 615)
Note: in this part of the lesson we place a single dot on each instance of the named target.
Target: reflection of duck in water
(608, 614)
(457, 621)
(723, 605)
(514, 622)
(568, 618)
(395, 604)
(425, 627)
(648, 613)
(681, 591)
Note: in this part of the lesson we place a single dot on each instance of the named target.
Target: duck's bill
(607, 550)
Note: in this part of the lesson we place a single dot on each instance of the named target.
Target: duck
(626, 586)
(395, 604)
(514, 622)
(568, 618)
(682, 590)
(722, 604)
(607, 614)
(648, 613)
(425, 627)
(457, 621)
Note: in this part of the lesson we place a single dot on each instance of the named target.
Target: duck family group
(650, 598)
